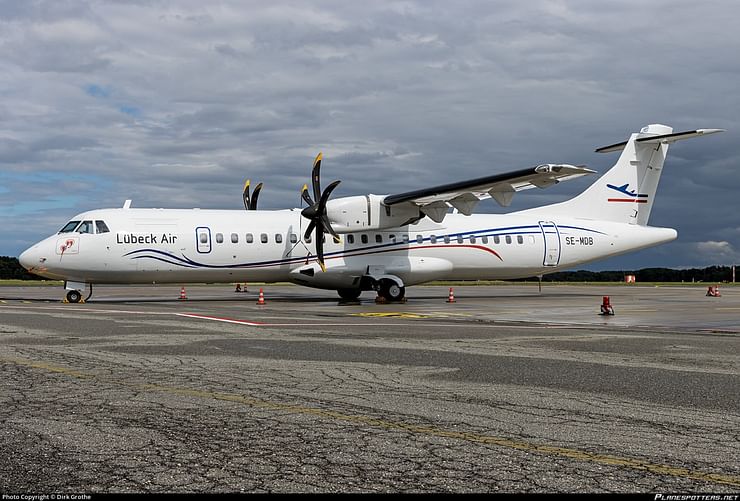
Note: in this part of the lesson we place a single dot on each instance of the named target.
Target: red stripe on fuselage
(635, 200)
(445, 246)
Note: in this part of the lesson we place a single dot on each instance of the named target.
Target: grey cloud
(398, 96)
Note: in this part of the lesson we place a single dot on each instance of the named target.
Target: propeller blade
(305, 196)
(255, 194)
(320, 248)
(245, 195)
(325, 196)
(310, 228)
(315, 177)
(328, 229)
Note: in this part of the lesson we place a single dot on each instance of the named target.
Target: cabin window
(219, 238)
(363, 239)
(496, 239)
(307, 239)
(531, 239)
(249, 238)
(278, 238)
(350, 239)
(85, 227)
(234, 238)
(405, 238)
(519, 239)
(508, 239)
(447, 239)
(203, 237)
(101, 227)
(472, 239)
(263, 238)
(419, 239)
(293, 238)
(433, 239)
(379, 238)
(459, 239)
(484, 240)
(69, 227)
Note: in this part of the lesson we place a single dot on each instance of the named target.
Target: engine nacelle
(350, 214)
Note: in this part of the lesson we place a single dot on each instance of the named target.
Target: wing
(465, 195)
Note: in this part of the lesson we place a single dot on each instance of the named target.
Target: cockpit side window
(85, 227)
(69, 227)
(101, 227)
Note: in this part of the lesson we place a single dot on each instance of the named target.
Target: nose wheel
(75, 295)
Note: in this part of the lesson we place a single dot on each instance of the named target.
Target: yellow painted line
(728, 308)
(394, 314)
(660, 469)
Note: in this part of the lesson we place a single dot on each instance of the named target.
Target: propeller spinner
(316, 211)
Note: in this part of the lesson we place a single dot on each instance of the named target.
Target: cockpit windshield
(85, 227)
(69, 227)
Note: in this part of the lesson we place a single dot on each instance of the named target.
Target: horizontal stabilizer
(661, 138)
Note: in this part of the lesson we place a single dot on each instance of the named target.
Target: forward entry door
(203, 236)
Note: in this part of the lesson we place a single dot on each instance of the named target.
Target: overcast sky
(176, 103)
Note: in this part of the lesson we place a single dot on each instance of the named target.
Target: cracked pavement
(126, 396)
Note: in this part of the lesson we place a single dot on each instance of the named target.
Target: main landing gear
(389, 291)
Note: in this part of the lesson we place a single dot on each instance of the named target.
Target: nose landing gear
(74, 292)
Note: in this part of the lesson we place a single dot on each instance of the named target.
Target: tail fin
(625, 193)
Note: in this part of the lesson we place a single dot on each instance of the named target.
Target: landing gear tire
(349, 294)
(391, 290)
(74, 296)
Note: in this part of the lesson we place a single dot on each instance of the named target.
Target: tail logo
(633, 196)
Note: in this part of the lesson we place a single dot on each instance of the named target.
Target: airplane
(383, 243)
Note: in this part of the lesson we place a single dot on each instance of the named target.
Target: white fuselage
(193, 245)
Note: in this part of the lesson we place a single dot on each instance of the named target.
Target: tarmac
(506, 389)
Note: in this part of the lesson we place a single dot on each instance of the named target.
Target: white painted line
(219, 319)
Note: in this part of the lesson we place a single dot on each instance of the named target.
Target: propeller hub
(310, 212)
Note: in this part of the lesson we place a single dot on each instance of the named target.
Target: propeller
(251, 204)
(316, 211)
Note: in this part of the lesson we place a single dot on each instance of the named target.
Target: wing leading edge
(465, 195)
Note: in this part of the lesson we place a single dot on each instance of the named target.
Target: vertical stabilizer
(625, 194)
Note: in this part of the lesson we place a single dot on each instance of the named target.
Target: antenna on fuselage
(127, 204)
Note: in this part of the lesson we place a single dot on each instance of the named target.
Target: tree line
(716, 274)
(10, 268)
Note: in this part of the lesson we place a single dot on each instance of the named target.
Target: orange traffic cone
(451, 299)
(261, 300)
(606, 307)
(182, 293)
(713, 291)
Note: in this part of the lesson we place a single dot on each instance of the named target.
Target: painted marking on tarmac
(394, 314)
(409, 314)
(219, 319)
(432, 431)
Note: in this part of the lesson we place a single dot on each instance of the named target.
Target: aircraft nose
(31, 258)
